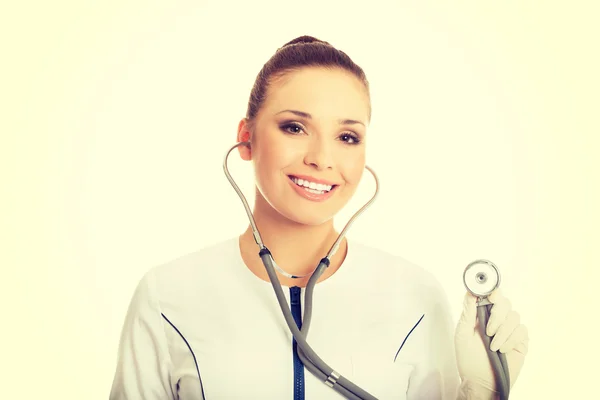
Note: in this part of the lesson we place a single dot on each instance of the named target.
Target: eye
(349, 138)
(293, 128)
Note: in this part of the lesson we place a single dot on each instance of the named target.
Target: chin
(308, 218)
(314, 221)
(302, 211)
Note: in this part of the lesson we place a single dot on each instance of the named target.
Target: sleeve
(143, 362)
(435, 375)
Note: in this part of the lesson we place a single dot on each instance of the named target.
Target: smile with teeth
(316, 188)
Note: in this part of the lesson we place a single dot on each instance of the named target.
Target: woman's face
(308, 147)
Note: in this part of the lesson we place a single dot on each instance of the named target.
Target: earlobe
(245, 152)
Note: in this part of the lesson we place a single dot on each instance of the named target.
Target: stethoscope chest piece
(481, 278)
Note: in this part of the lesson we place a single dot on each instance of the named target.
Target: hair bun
(305, 39)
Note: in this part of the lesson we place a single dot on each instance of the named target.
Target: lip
(311, 196)
(315, 180)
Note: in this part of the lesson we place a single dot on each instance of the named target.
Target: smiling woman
(209, 319)
(302, 131)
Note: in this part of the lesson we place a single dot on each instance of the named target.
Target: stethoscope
(307, 355)
(481, 278)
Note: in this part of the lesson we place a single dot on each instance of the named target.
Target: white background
(116, 117)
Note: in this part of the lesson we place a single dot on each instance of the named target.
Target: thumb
(468, 319)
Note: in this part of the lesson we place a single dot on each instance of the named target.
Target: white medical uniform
(380, 321)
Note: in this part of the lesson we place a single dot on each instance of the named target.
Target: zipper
(296, 307)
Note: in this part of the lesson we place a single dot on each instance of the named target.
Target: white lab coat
(234, 328)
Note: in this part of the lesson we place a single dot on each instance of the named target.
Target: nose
(319, 154)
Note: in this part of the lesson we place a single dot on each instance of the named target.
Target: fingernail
(493, 346)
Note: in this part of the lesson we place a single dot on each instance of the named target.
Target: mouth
(312, 187)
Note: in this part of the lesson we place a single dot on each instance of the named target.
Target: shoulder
(198, 261)
(394, 273)
(384, 262)
(193, 273)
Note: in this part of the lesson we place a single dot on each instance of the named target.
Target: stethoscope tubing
(306, 354)
(497, 359)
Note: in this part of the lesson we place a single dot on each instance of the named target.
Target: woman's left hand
(510, 337)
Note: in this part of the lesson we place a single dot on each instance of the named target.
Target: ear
(244, 135)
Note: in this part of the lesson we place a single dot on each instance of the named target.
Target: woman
(208, 326)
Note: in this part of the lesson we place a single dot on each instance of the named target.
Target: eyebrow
(308, 116)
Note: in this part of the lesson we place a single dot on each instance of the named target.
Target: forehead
(324, 93)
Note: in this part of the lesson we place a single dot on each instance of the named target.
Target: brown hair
(304, 51)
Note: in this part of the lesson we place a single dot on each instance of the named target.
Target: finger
(518, 336)
(523, 347)
(496, 296)
(500, 310)
(508, 326)
(468, 318)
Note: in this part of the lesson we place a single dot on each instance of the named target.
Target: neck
(296, 248)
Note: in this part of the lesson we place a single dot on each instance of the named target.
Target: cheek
(353, 170)
(271, 157)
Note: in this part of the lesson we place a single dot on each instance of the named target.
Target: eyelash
(353, 136)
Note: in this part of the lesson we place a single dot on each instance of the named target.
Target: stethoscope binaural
(307, 355)
(481, 278)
